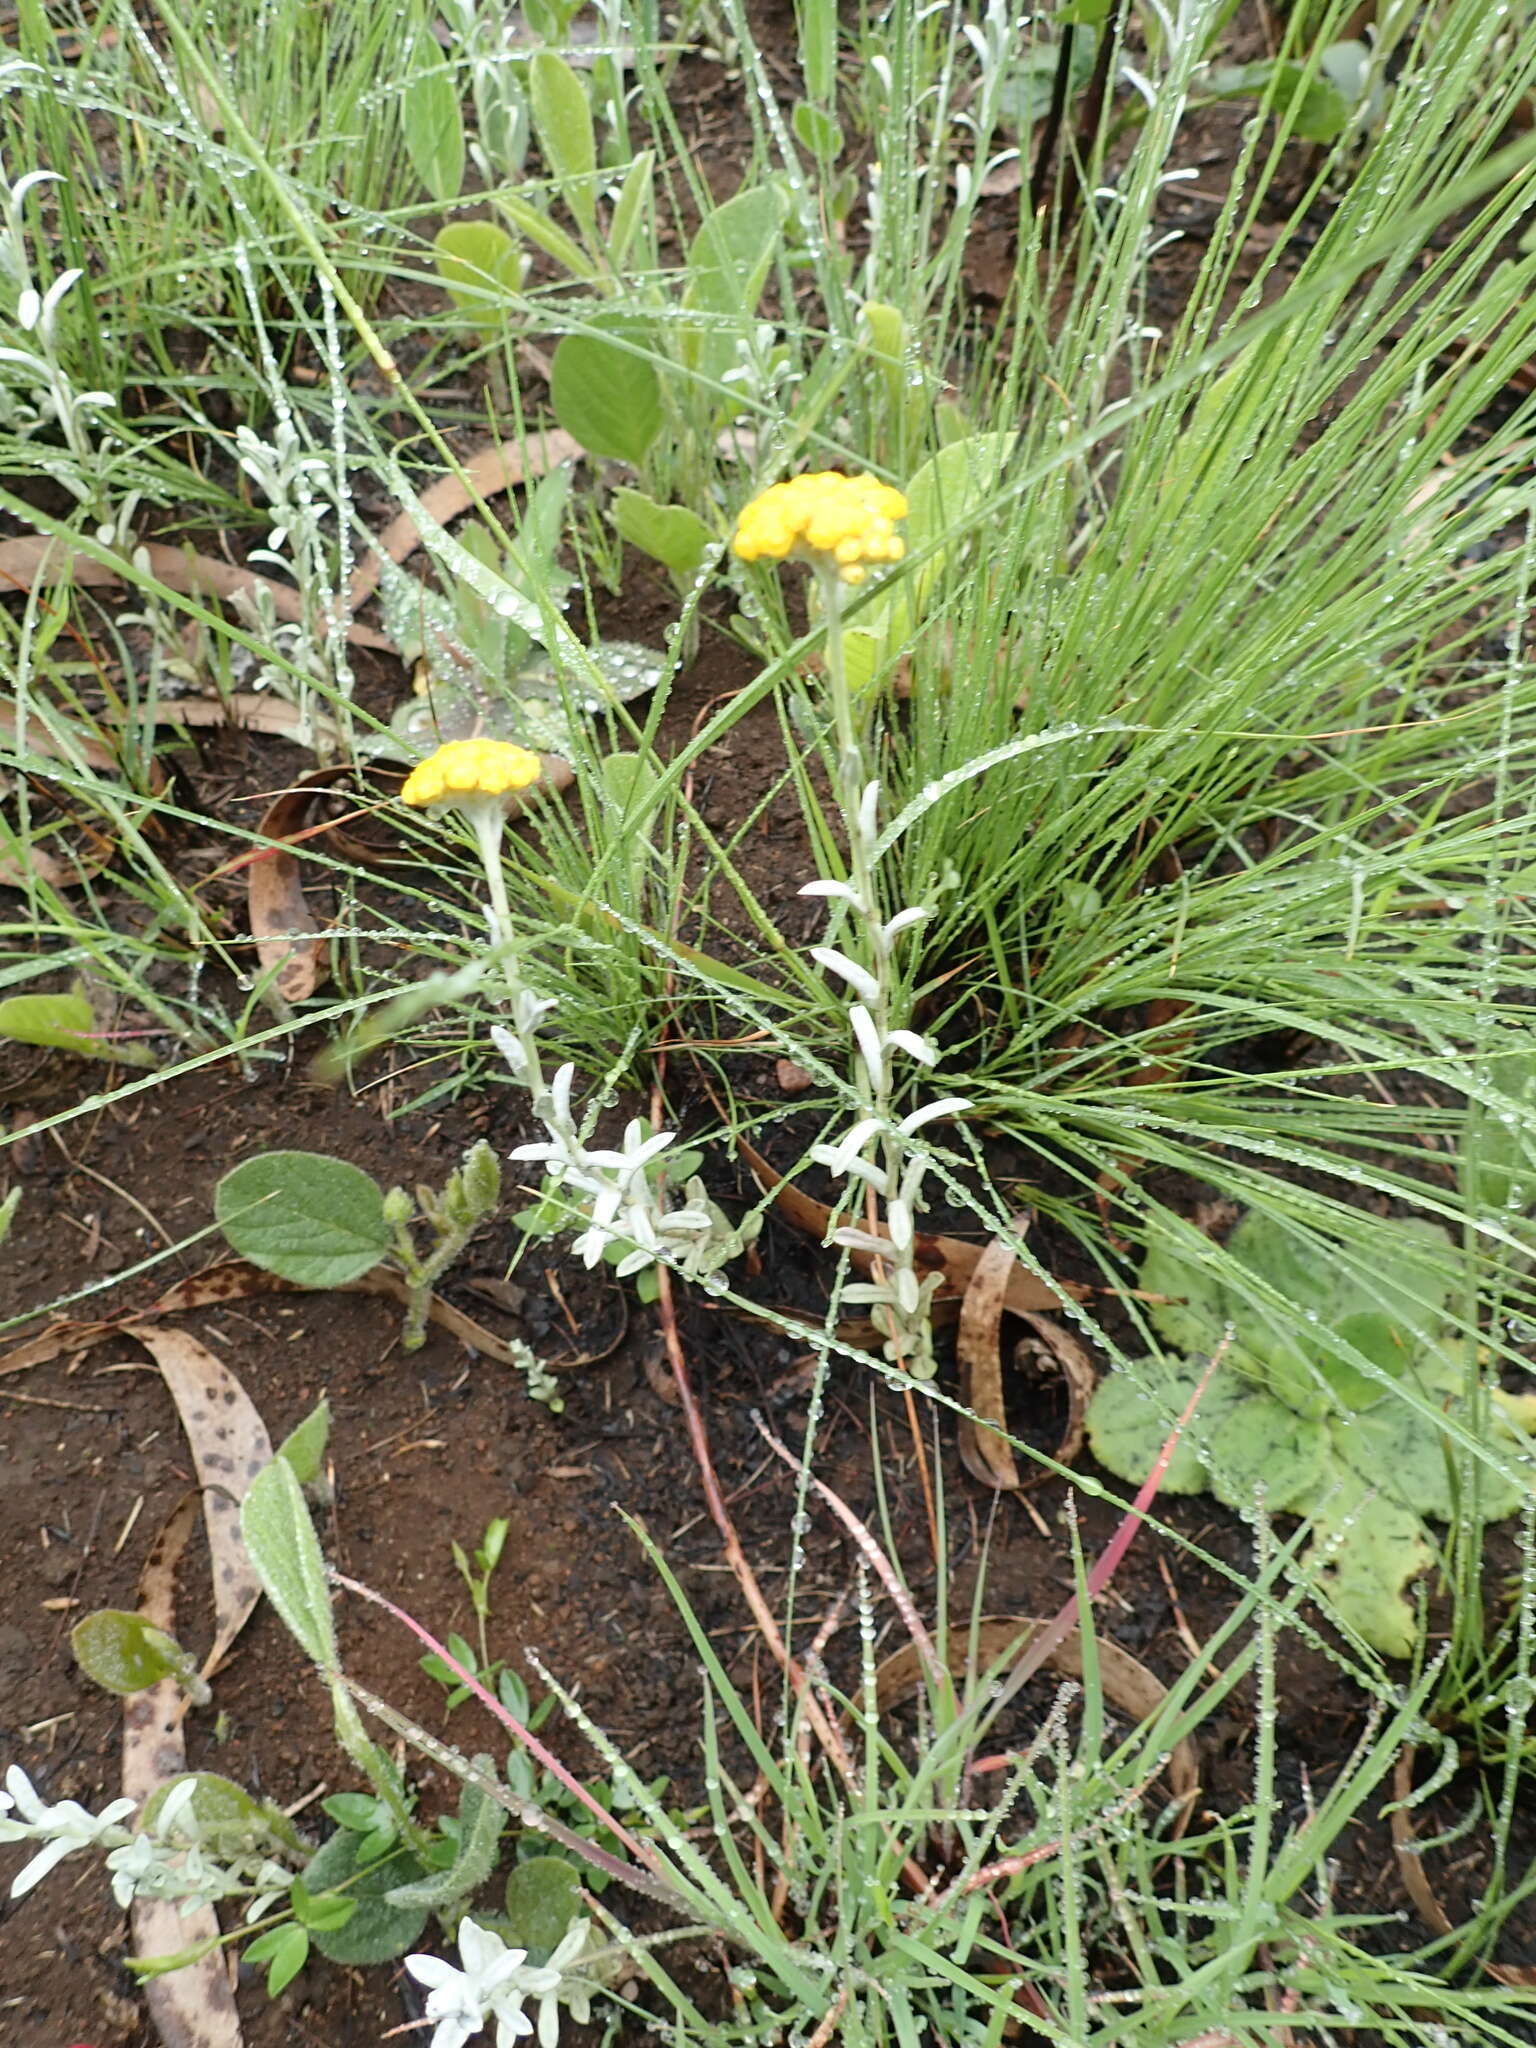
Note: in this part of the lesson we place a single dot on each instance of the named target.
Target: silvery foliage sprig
(614, 1190)
(167, 1861)
(497, 70)
(40, 368)
(298, 486)
(899, 1301)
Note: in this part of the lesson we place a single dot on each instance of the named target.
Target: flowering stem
(857, 790)
(488, 819)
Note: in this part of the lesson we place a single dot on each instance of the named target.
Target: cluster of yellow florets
(849, 521)
(463, 769)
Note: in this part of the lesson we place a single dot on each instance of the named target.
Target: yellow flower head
(824, 518)
(462, 770)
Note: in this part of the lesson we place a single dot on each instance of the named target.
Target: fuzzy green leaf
(124, 1653)
(563, 122)
(280, 1539)
(377, 1931)
(1129, 1419)
(1314, 108)
(479, 264)
(481, 1820)
(230, 1820)
(431, 122)
(1260, 1444)
(63, 1021)
(606, 396)
(728, 267)
(671, 534)
(543, 1898)
(1366, 1550)
(316, 1221)
(304, 1447)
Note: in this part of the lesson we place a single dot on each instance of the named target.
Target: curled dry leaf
(983, 1446)
(42, 866)
(1128, 1685)
(229, 1280)
(1410, 1868)
(487, 473)
(288, 935)
(193, 2007)
(230, 1445)
(950, 1257)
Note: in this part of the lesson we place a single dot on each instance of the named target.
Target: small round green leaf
(543, 1898)
(124, 1653)
(478, 263)
(377, 1931)
(674, 535)
(311, 1219)
(63, 1021)
(606, 397)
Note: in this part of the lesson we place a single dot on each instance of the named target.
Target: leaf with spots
(191, 2007)
(230, 1445)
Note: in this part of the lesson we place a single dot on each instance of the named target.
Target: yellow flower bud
(846, 522)
(462, 770)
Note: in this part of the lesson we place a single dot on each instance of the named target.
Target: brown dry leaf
(93, 752)
(985, 1451)
(951, 1256)
(247, 711)
(1081, 1379)
(1410, 1868)
(1128, 1685)
(32, 556)
(230, 1445)
(288, 935)
(382, 1281)
(39, 863)
(229, 1280)
(236, 1280)
(205, 576)
(194, 2007)
(44, 867)
(490, 471)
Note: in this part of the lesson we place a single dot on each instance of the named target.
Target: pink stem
(1055, 1633)
(510, 1721)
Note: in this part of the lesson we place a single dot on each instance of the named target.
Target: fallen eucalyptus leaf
(230, 1445)
(194, 2006)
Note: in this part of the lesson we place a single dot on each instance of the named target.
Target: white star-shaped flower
(491, 1986)
(61, 1829)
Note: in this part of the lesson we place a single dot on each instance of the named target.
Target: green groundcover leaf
(1311, 1421)
(375, 1931)
(64, 1022)
(543, 1898)
(314, 1220)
